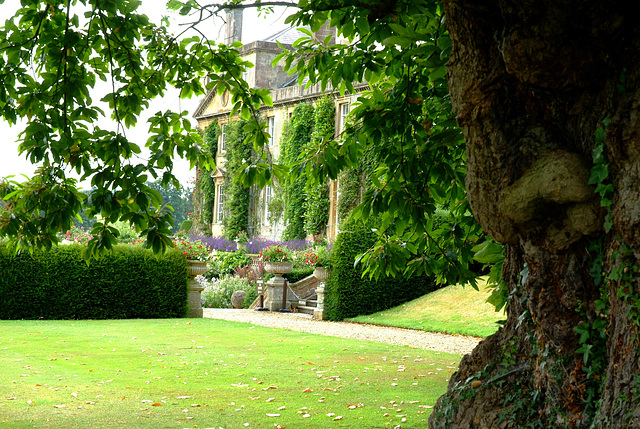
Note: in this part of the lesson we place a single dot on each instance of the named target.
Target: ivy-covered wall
(203, 197)
(236, 196)
(352, 183)
(318, 203)
(211, 134)
(298, 136)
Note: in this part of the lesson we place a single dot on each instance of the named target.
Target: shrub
(217, 292)
(298, 274)
(225, 263)
(251, 296)
(348, 294)
(216, 243)
(255, 245)
(128, 282)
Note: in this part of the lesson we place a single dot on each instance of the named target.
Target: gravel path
(304, 323)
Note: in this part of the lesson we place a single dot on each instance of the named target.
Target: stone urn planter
(273, 296)
(194, 305)
(242, 246)
(278, 268)
(322, 274)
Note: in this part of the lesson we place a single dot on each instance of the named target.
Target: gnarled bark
(531, 81)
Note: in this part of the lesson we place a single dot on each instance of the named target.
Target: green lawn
(183, 373)
(452, 310)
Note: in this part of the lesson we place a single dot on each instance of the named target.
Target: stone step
(306, 309)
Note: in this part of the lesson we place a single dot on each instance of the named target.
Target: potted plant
(241, 240)
(320, 240)
(277, 259)
(320, 259)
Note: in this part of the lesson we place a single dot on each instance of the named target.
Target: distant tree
(178, 199)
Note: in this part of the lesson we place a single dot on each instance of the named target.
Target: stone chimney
(233, 31)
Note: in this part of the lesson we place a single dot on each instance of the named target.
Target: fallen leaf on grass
(273, 415)
(157, 404)
(59, 406)
(307, 390)
(337, 418)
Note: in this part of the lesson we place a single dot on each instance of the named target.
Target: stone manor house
(286, 94)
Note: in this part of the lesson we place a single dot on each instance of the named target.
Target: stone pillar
(321, 274)
(194, 306)
(273, 295)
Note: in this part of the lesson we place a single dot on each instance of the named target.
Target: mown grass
(201, 373)
(452, 310)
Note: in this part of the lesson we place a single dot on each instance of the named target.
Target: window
(220, 204)
(271, 124)
(344, 112)
(267, 200)
(223, 138)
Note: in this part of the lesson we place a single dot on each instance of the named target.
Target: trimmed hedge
(348, 294)
(129, 282)
(298, 274)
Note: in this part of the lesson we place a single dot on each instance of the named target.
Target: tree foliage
(405, 121)
(179, 199)
(52, 57)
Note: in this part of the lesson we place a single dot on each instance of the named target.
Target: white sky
(254, 28)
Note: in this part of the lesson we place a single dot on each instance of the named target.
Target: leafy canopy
(404, 120)
(52, 58)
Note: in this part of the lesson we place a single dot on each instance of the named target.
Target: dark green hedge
(129, 282)
(348, 294)
(298, 274)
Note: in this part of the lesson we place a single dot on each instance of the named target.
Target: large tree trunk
(531, 81)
